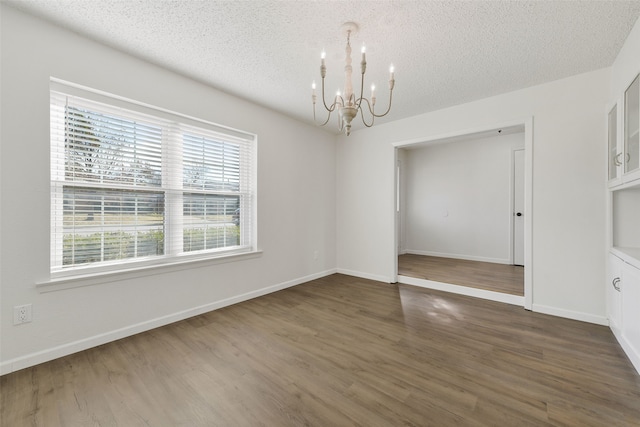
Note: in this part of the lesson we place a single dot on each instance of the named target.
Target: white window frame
(173, 228)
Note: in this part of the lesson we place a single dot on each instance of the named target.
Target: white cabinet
(623, 272)
(631, 313)
(614, 146)
(614, 294)
(623, 175)
(631, 149)
(623, 304)
(623, 137)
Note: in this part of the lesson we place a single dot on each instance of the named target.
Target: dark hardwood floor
(340, 351)
(508, 279)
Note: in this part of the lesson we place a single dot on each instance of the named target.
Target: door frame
(527, 125)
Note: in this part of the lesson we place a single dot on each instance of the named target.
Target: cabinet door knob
(616, 160)
(616, 284)
(519, 214)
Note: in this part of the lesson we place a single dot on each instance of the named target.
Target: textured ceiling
(444, 52)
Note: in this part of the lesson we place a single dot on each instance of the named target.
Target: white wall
(569, 166)
(296, 198)
(459, 198)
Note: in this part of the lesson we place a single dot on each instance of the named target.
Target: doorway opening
(463, 204)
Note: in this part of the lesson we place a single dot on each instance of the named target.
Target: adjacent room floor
(508, 279)
(340, 351)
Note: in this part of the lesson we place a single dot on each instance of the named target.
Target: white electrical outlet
(21, 314)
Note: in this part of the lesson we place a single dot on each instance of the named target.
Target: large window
(133, 185)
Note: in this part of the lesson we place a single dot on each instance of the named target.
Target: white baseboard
(87, 343)
(515, 300)
(569, 314)
(629, 350)
(463, 290)
(362, 275)
(458, 256)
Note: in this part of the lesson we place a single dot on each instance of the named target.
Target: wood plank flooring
(508, 279)
(340, 351)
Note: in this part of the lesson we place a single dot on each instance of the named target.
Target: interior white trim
(32, 359)
(527, 125)
(457, 256)
(136, 270)
(108, 98)
(463, 290)
(362, 275)
(569, 314)
(631, 352)
(528, 213)
(435, 139)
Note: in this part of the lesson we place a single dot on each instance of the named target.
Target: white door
(518, 207)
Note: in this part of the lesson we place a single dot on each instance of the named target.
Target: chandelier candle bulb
(323, 68)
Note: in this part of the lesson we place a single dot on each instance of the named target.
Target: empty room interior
(461, 212)
(321, 213)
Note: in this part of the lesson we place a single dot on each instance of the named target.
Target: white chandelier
(347, 104)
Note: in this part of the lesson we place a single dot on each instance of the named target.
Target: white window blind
(134, 184)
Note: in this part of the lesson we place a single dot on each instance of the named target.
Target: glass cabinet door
(614, 155)
(631, 127)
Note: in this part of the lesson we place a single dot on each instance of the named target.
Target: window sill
(61, 283)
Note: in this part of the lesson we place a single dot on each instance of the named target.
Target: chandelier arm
(333, 106)
(388, 108)
(373, 116)
(314, 117)
(371, 111)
